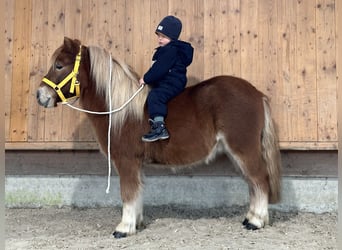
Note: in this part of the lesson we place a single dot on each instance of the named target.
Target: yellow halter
(75, 84)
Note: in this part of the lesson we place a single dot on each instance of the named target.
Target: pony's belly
(189, 158)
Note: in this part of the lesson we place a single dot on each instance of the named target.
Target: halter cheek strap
(75, 84)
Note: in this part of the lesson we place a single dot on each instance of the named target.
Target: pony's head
(61, 81)
(93, 75)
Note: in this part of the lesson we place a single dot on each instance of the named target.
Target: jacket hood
(186, 51)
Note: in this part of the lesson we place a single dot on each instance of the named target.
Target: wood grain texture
(20, 74)
(287, 49)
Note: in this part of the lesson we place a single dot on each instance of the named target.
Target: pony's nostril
(37, 94)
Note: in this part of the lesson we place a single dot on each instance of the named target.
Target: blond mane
(123, 85)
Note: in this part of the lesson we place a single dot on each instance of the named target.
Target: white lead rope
(109, 125)
(110, 112)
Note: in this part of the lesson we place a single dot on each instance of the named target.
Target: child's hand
(141, 82)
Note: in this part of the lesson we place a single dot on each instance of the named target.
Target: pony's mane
(124, 84)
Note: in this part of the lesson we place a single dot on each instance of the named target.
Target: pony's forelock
(55, 55)
(124, 84)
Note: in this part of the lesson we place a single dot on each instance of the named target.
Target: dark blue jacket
(169, 65)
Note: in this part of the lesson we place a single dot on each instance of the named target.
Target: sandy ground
(167, 227)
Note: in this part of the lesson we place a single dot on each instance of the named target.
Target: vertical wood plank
(231, 45)
(194, 31)
(267, 47)
(222, 38)
(191, 13)
(211, 39)
(88, 25)
(303, 91)
(326, 70)
(118, 29)
(285, 110)
(73, 19)
(338, 26)
(141, 33)
(128, 32)
(103, 27)
(9, 20)
(20, 78)
(54, 36)
(249, 40)
(38, 68)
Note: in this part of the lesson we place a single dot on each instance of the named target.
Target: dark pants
(158, 98)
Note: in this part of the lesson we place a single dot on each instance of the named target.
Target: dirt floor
(167, 227)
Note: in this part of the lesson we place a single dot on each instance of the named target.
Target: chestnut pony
(223, 114)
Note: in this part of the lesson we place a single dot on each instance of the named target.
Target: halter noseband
(75, 84)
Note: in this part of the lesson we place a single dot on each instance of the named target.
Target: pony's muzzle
(45, 98)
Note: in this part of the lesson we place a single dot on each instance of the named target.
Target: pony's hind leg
(131, 194)
(257, 179)
(257, 216)
(255, 173)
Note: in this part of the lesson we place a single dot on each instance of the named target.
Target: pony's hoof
(245, 222)
(250, 226)
(119, 235)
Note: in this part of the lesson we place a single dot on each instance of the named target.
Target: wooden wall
(287, 49)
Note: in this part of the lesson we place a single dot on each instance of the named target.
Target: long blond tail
(271, 154)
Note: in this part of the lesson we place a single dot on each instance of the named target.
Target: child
(167, 75)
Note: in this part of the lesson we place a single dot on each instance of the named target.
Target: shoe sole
(156, 139)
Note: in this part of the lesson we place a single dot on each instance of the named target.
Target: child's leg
(159, 97)
(157, 106)
(158, 119)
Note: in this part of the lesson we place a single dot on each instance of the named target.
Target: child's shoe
(158, 132)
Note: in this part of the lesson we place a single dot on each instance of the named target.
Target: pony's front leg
(132, 210)
(132, 217)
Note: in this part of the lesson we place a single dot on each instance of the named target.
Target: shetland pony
(224, 114)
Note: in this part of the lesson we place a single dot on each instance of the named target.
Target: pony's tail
(271, 154)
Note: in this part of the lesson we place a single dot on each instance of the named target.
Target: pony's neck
(116, 82)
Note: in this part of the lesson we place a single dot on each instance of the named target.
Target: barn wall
(287, 49)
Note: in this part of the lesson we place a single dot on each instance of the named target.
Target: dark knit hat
(170, 26)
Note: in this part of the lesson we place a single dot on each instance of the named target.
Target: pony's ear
(67, 41)
(72, 45)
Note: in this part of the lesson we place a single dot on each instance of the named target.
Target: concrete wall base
(316, 195)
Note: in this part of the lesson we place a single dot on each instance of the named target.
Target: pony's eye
(58, 66)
